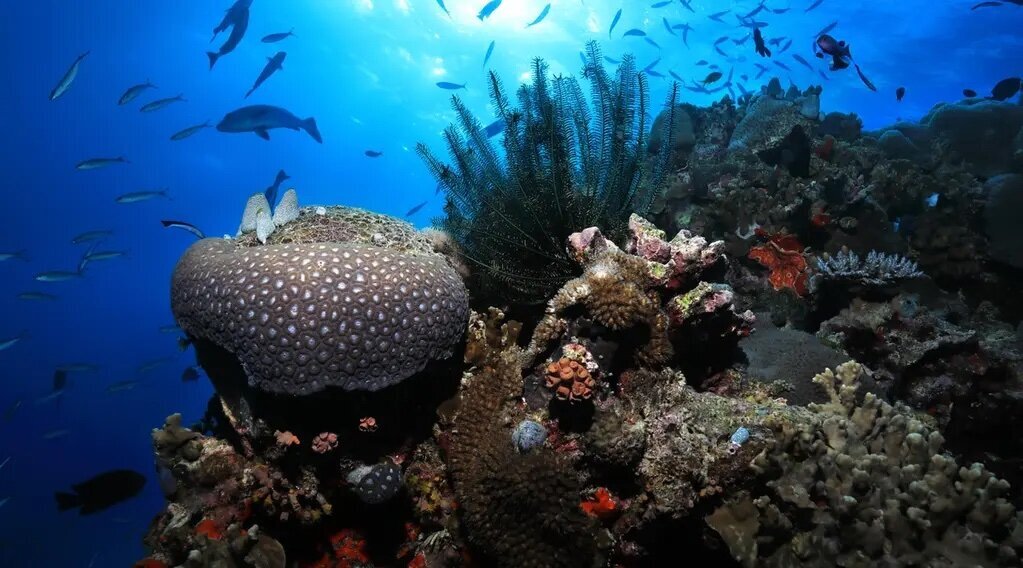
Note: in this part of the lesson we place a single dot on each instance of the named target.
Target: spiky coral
(567, 167)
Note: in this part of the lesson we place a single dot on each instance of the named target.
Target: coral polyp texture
(308, 315)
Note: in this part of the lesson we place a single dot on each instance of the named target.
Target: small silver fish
(105, 255)
(96, 163)
(133, 92)
(68, 78)
(121, 386)
(20, 255)
(170, 329)
(91, 236)
(78, 367)
(4, 501)
(12, 341)
(2, 464)
(274, 38)
(37, 297)
(138, 196)
(58, 276)
(56, 434)
(150, 365)
(161, 103)
(191, 130)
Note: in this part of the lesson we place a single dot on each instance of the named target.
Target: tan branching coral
(866, 483)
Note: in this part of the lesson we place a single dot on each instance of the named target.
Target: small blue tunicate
(740, 437)
(932, 200)
(529, 434)
(376, 483)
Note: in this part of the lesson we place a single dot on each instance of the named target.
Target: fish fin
(262, 133)
(213, 58)
(309, 125)
(248, 93)
(22, 255)
(67, 501)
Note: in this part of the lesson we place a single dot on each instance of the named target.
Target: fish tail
(22, 255)
(67, 501)
(213, 58)
(309, 125)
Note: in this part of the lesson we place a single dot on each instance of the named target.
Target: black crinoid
(567, 164)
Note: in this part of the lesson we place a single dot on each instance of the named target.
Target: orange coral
(419, 561)
(783, 254)
(286, 439)
(600, 505)
(368, 424)
(349, 547)
(209, 529)
(570, 380)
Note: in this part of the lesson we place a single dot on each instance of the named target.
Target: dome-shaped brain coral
(331, 307)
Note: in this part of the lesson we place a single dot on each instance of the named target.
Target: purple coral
(324, 442)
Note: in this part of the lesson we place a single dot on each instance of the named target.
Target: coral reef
(861, 483)
(877, 269)
(309, 314)
(511, 215)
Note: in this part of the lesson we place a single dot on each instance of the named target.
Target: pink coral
(286, 439)
(324, 442)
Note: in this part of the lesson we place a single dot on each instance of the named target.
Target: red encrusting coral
(783, 255)
(600, 505)
(209, 529)
(826, 149)
(349, 548)
(150, 563)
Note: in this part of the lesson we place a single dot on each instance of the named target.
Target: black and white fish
(188, 227)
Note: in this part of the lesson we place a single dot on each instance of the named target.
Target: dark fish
(161, 103)
(184, 227)
(661, 4)
(782, 65)
(756, 10)
(827, 29)
(272, 65)
(96, 163)
(91, 236)
(899, 93)
(839, 51)
(776, 40)
(653, 73)
(686, 5)
(803, 61)
(121, 386)
(450, 86)
(69, 77)
(785, 47)
(743, 40)
(1005, 89)
(717, 16)
(744, 77)
(718, 49)
(969, 93)
(701, 63)
(614, 22)
(758, 44)
(720, 40)
(415, 209)
(102, 491)
(652, 64)
(864, 78)
(712, 77)
(667, 26)
(814, 5)
(612, 61)
(543, 14)
(490, 51)
(191, 130)
(37, 297)
(260, 119)
(634, 32)
(675, 76)
(986, 5)
(582, 57)
(443, 7)
(59, 380)
(651, 42)
(134, 91)
(236, 18)
(271, 192)
(823, 75)
(274, 38)
(190, 374)
(373, 153)
(780, 10)
(19, 255)
(488, 9)
(686, 28)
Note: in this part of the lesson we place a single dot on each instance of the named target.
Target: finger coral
(866, 483)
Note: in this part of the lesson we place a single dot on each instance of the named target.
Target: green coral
(566, 166)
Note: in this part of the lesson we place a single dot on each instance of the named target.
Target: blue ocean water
(367, 71)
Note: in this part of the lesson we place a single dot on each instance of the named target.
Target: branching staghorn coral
(877, 269)
(567, 165)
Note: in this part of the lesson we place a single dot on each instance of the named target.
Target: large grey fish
(68, 78)
(96, 163)
(272, 64)
(134, 91)
(137, 196)
(161, 103)
(260, 119)
(191, 130)
(236, 18)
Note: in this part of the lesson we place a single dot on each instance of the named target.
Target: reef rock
(1001, 213)
(979, 132)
